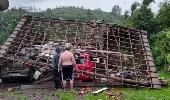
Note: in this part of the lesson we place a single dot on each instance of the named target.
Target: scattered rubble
(83, 91)
(10, 89)
(122, 54)
(99, 91)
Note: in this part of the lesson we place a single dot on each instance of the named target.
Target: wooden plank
(147, 48)
(4, 47)
(10, 39)
(1, 55)
(115, 78)
(144, 36)
(148, 53)
(23, 19)
(19, 26)
(145, 41)
(2, 51)
(100, 90)
(146, 45)
(150, 58)
(155, 81)
(7, 43)
(151, 63)
(147, 59)
(21, 23)
(153, 74)
(13, 36)
(153, 69)
(17, 29)
(15, 32)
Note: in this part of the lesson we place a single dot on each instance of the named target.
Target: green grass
(65, 96)
(48, 98)
(16, 96)
(102, 96)
(140, 93)
(148, 94)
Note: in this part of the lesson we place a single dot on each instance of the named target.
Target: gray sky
(88, 4)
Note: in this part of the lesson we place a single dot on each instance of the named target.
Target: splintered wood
(124, 54)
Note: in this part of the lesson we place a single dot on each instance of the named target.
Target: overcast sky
(105, 5)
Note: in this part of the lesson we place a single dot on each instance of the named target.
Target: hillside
(10, 17)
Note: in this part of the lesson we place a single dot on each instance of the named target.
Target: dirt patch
(40, 94)
(29, 94)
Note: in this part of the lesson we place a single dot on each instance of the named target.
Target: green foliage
(116, 10)
(168, 58)
(157, 26)
(134, 6)
(126, 14)
(8, 21)
(161, 47)
(147, 2)
(128, 22)
(168, 34)
(143, 19)
(164, 15)
(10, 18)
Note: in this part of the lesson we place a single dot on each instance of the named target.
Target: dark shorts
(67, 72)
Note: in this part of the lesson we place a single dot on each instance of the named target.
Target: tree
(126, 14)
(134, 6)
(164, 16)
(116, 10)
(158, 28)
(147, 2)
(143, 18)
(161, 48)
(89, 14)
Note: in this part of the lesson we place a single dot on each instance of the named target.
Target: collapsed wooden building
(124, 54)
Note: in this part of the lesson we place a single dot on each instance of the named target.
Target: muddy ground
(44, 91)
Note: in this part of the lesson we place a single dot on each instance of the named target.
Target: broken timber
(124, 53)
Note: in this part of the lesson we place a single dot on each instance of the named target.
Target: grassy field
(149, 94)
(119, 93)
(128, 93)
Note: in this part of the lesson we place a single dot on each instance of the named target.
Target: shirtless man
(66, 65)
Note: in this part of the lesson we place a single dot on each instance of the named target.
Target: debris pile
(122, 55)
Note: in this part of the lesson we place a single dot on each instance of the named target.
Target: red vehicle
(85, 62)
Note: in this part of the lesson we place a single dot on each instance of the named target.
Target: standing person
(55, 61)
(66, 65)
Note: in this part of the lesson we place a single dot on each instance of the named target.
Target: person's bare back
(67, 58)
